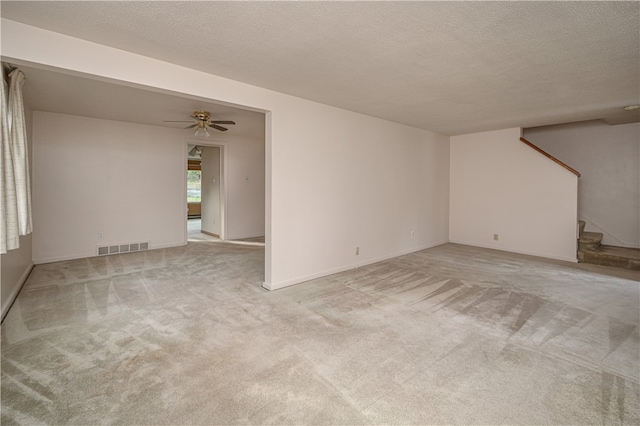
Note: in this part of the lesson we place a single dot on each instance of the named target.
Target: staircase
(591, 251)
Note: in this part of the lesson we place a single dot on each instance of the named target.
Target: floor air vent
(122, 248)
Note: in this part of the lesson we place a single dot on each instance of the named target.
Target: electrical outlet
(413, 234)
(100, 235)
(357, 251)
(495, 237)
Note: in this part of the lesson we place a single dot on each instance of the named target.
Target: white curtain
(15, 202)
(20, 152)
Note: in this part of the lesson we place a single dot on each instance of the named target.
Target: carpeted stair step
(589, 241)
(581, 225)
(616, 257)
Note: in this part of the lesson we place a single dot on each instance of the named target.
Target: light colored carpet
(454, 335)
(194, 234)
(194, 228)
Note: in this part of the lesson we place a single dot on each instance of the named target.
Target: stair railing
(549, 156)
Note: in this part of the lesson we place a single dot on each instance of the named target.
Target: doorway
(211, 204)
(205, 192)
(233, 208)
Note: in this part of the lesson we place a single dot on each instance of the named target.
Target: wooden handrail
(549, 156)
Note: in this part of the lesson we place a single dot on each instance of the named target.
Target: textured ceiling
(69, 94)
(450, 67)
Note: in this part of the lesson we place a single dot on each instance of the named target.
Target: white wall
(210, 205)
(16, 264)
(608, 158)
(89, 176)
(501, 186)
(335, 179)
(244, 176)
(358, 182)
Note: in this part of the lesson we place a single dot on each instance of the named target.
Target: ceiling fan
(202, 122)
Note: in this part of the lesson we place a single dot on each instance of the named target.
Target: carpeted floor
(453, 334)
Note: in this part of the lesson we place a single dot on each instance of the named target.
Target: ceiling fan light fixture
(202, 121)
(201, 131)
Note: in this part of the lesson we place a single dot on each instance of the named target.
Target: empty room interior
(320, 213)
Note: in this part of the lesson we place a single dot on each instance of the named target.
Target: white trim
(268, 179)
(185, 217)
(529, 253)
(12, 297)
(223, 180)
(287, 283)
(283, 284)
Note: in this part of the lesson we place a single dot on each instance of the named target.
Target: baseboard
(243, 237)
(294, 281)
(529, 253)
(14, 294)
(93, 254)
(211, 234)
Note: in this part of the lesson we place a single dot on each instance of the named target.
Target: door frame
(223, 180)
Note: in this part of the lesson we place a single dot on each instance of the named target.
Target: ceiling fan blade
(183, 121)
(222, 122)
(192, 126)
(215, 126)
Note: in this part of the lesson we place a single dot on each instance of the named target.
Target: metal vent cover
(121, 248)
